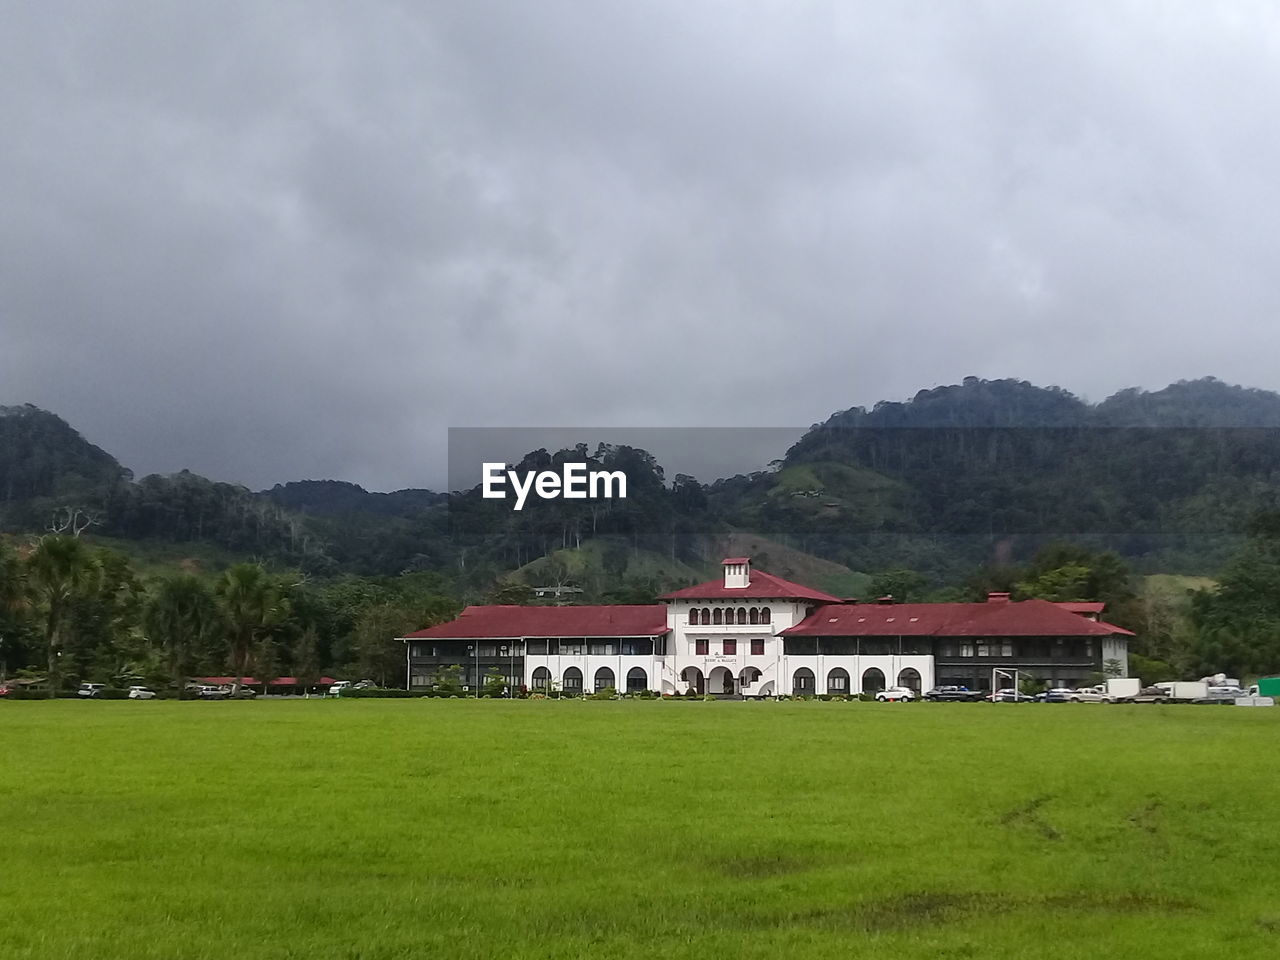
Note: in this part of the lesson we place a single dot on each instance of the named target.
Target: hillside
(957, 476)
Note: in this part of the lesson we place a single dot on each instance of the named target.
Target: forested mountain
(956, 476)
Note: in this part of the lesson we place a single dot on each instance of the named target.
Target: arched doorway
(692, 679)
(720, 680)
(838, 682)
(802, 684)
(637, 680)
(873, 680)
(747, 677)
(910, 677)
(604, 678)
(541, 679)
(571, 682)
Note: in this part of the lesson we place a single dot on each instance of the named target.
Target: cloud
(268, 242)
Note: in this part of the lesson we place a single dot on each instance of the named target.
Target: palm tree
(57, 570)
(253, 605)
(180, 616)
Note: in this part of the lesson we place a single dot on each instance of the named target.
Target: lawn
(373, 829)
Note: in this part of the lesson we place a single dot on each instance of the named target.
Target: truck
(1184, 691)
(1115, 690)
(1266, 687)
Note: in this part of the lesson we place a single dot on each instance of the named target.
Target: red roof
(1024, 618)
(761, 586)
(1082, 606)
(510, 621)
(251, 681)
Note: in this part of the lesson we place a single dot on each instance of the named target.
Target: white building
(752, 634)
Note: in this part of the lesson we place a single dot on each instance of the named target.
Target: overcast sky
(271, 241)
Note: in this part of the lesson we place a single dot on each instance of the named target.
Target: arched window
(910, 677)
(572, 680)
(764, 614)
(541, 678)
(873, 680)
(637, 680)
(718, 616)
(706, 617)
(693, 615)
(742, 614)
(802, 682)
(838, 681)
(604, 678)
(753, 615)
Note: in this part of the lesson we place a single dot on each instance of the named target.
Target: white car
(337, 689)
(1089, 695)
(141, 693)
(91, 690)
(896, 695)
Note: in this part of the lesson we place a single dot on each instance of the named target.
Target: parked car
(141, 693)
(1054, 695)
(1009, 695)
(953, 694)
(337, 689)
(1096, 694)
(91, 690)
(897, 695)
(211, 693)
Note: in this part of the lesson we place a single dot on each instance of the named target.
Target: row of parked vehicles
(1217, 689)
(204, 691)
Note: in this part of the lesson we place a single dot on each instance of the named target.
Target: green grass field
(418, 828)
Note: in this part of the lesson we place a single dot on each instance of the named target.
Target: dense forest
(963, 487)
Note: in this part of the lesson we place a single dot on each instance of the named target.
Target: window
(731, 648)
(604, 679)
(802, 682)
(995, 649)
(572, 680)
(571, 648)
(602, 648)
(757, 648)
(764, 614)
(487, 650)
(706, 616)
(693, 615)
(421, 679)
(541, 678)
(742, 614)
(753, 615)
(700, 648)
(637, 680)
(637, 648)
(718, 616)
(838, 681)
(536, 648)
(873, 681)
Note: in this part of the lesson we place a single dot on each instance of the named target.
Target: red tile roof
(251, 681)
(1024, 618)
(1082, 606)
(762, 586)
(510, 621)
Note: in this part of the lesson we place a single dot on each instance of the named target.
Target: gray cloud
(274, 241)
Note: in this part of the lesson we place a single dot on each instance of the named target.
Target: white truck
(1115, 690)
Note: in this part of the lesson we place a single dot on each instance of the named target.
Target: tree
(181, 617)
(253, 606)
(58, 569)
(306, 659)
(904, 586)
